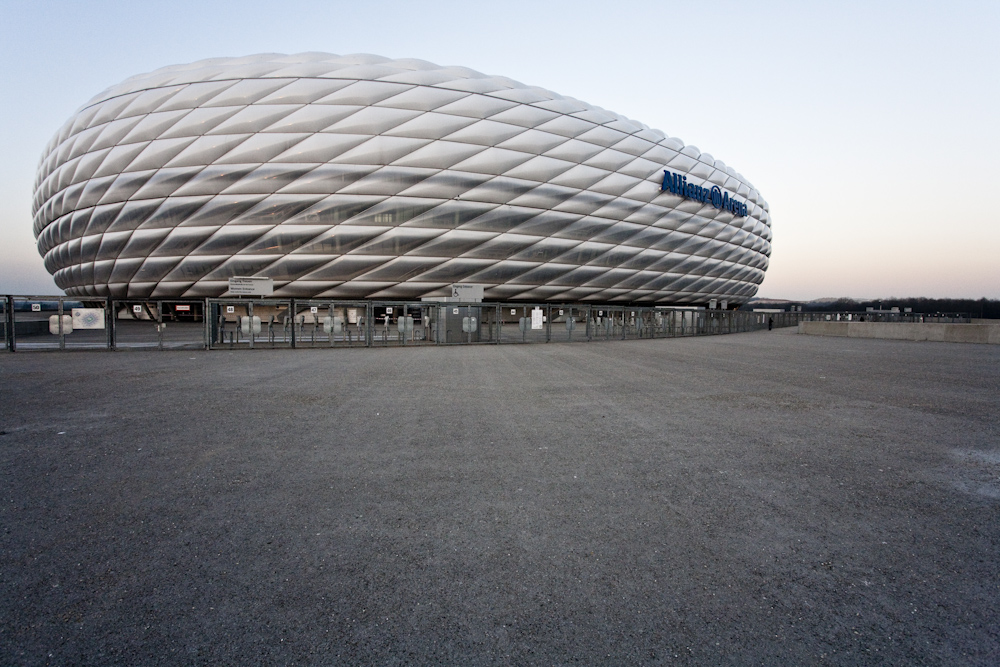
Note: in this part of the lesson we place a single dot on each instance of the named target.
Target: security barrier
(71, 323)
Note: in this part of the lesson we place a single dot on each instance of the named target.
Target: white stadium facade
(362, 177)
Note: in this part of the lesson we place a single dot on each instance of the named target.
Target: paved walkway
(760, 498)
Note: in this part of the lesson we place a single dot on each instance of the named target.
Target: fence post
(8, 314)
(159, 326)
(369, 331)
(112, 332)
(497, 320)
(208, 325)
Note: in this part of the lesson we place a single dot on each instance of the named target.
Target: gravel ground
(761, 498)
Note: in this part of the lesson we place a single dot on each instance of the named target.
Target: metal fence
(70, 323)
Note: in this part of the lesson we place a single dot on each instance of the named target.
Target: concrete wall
(948, 333)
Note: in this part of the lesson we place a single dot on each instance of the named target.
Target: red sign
(185, 309)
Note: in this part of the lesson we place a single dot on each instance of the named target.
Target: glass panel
(312, 118)
(231, 239)
(221, 210)
(402, 269)
(453, 244)
(154, 269)
(206, 150)
(133, 214)
(240, 266)
(149, 101)
(545, 250)
(261, 148)
(347, 267)
(321, 147)
(165, 181)
(493, 161)
(381, 150)
(283, 240)
(182, 241)
(153, 126)
(114, 132)
(446, 185)
(195, 94)
(142, 242)
(363, 93)
(304, 91)
(545, 196)
(541, 169)
(328, 178)
(254, 118)
(174, 211)
(372, 120)
(341, 240)
(439, 155)
(245, 92)
(294, 267)
(268, 178)
(393, 211)
(477, 106)
(430, 125)
(449, 215)
(486, 133)
(125, 186)
(199, 122)
(533, 141)
(602, 136)
(118, 158)
(398, 241)
(111, 244)
(388, 181)
(276, 209)
(422, 98)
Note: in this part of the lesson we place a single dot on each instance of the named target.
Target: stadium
(362, 177)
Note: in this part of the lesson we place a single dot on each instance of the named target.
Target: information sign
(250, 286)
(88, 318)
(467, 292)
(537, 318)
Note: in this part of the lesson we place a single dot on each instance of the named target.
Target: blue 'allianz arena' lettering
(677, 184)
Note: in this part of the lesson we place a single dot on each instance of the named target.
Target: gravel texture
(760, 498)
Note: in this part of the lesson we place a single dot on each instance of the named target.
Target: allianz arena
(368, 178)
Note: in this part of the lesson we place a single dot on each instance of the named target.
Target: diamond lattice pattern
(363, 177)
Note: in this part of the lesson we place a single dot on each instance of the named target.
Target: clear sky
(872, 128)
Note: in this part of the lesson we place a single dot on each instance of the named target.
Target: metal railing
(73, 323)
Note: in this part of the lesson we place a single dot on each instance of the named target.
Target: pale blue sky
(870, 127)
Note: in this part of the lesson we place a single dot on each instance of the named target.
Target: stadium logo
(677, 184)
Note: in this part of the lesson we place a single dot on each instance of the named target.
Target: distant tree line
(987, 308)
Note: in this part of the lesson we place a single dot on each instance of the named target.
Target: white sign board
(537, 319)
(248, 286)
(67, 325)
(467, 292)
(88, 318)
